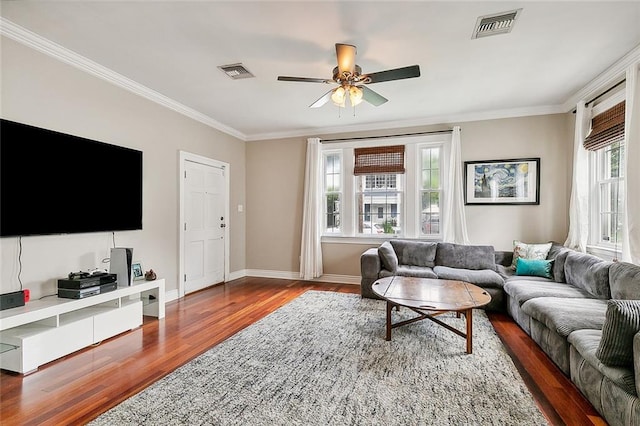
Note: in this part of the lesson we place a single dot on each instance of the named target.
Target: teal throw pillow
(534, 267)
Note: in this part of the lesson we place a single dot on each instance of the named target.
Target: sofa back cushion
(589, 273)
(465, 256)
(624, 280)
(388, 256)
(416, 253)
(558, 254)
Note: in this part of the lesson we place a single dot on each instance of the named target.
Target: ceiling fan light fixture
(339, 96)
(355, 95)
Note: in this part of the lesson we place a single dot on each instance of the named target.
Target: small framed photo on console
(138, 272)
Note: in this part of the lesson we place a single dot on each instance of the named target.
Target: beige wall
(42, 91)
(273, 216)
(266, 176)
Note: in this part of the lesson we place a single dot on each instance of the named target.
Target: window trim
(442, 192)
(324, 154)
(595, 203)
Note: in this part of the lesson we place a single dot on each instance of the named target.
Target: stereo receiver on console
(67, 293)
(79, 281)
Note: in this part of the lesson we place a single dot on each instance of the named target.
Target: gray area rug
(322, 360)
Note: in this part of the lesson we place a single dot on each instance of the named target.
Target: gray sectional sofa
(474, 264)
(584, 314)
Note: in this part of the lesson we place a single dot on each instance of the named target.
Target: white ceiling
(174, 48)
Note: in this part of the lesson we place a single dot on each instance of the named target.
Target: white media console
(50, 328)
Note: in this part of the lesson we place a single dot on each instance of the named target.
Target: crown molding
(427, 121)
(48, 47)
(612, 75)
(599, 84)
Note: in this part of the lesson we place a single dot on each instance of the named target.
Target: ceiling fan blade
(346, 55)
(395, 74)
(323, 100)
(304, 79)
(372, 97)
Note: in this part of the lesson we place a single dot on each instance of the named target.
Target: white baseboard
(237, 274)
(288, 275)
(171, 295)
(283, 275)
(343, 279)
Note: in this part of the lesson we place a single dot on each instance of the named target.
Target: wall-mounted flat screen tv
(55, 183)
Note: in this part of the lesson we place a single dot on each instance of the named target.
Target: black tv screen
(55, 183)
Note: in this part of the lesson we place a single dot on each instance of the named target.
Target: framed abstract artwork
(502, 181)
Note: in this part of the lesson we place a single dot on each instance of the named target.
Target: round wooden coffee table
(430, 298)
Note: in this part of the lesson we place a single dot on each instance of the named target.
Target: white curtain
(455, 223)
(631, 216)
(311, 249)
(579, 204)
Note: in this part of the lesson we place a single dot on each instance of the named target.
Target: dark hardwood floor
(77, 388)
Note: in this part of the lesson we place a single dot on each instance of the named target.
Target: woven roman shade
(607, 128)
(379, 159)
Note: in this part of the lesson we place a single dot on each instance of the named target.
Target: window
(383, 194)
(332, 190)
(606, 143)
(430, 190)
(610, 189)
(400, 198)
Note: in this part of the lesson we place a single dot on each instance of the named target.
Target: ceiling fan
(352, 82)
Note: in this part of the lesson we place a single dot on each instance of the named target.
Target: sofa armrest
(370, 267)
(636, 359)
(370, 263)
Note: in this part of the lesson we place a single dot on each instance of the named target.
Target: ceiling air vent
(498, 23)
(236, 71)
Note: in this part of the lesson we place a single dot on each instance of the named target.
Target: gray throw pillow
(388, 256)
(622, 322)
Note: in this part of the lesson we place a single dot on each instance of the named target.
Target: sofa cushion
(481, 277)
(636, 360)
(558, 254)
(416, 253)
(586, 343)
(624, 281)
(388, 256)
(534, 267)
(465, 256)
(621, 323)
(564, 315)
(410, 271)
(588, 272)
(526, 289)
(529, 251)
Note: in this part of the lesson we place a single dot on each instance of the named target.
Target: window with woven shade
(379, 159)
(395, 191)
(606, 142)
(607, 128)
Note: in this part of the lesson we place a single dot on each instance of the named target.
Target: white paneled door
(204, 225)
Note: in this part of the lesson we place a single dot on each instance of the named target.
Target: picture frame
(137, 271)
(500, 182)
